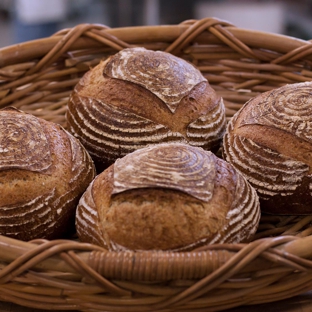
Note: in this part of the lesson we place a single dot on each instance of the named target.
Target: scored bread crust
(166, 217)
(113, 115)
(43, 172)
(270, 142)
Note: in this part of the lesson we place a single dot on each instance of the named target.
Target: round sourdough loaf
(269, 140)
(44, 171)
(169, 196)
(139, 97)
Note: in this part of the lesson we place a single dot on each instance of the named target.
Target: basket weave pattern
(38, 76)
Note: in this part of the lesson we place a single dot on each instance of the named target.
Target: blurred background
(23, 20)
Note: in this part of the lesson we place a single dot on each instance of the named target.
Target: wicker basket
(38, 76)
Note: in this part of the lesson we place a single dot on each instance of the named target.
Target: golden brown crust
(136, 99)
(270, 141)
(114, 116)
(39, 201)
(178, 167)
(168, 218)
(166, 76)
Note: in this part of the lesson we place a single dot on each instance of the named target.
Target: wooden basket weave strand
(38, 76)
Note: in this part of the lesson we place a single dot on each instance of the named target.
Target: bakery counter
(301, 303)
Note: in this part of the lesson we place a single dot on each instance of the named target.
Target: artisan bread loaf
(43, 172)
(169, 196)
(269, 140)
(139, 97)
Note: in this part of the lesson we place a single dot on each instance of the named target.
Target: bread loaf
(169, 196)
(139, 97)
(270, 142)
(43, 172)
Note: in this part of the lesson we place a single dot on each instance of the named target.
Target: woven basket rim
(259, 39)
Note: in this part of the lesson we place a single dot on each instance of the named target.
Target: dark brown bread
(169, 196)
(270, 142)
(43, 172)
(139, 97)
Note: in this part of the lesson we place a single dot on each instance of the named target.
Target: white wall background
(263, 16)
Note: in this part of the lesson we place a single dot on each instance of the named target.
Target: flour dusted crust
(43, 172)
(270, 142)
(168, 196)
(190, 171)
(23, 143)
(139, 97)
(161, 73)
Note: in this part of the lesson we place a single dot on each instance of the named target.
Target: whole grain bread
(43, 172)
(139, 97)
(269, 140)
(169, 196)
